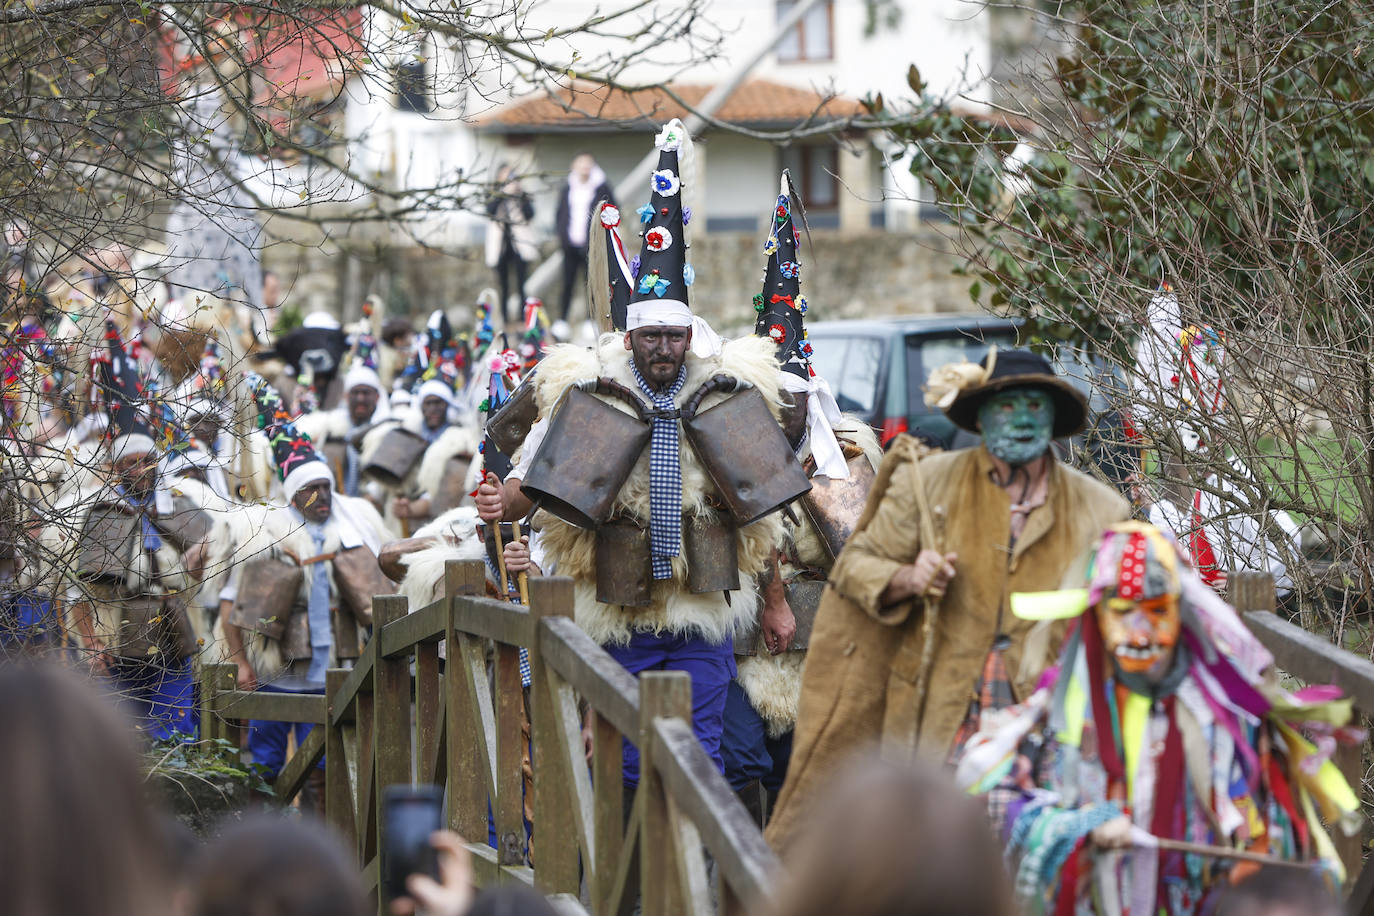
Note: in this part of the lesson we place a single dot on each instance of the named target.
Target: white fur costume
(773, 682)
(260, 529)
(572, 549)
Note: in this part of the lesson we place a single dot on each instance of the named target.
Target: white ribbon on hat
(822, 413)
(673, 313)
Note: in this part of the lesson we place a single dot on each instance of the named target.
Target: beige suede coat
(859, 683)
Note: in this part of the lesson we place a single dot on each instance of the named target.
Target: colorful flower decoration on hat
(646, 213)
(689, 274)
(782, 209)
(652, 282)
(790, 269)
(665, 183)
(758, 302)
(658, 239)
(610, 216)
(686, 215)
(800, 304)
(770, 247)
(668, 138)
(777, 332)
(634, 266)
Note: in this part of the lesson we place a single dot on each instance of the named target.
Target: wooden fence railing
(1309, 657)
(462, 728)
(459, 723)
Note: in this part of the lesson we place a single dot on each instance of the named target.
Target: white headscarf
(673, 313)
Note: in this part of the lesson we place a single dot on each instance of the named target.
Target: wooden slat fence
(403, 715)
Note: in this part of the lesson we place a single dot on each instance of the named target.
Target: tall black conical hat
(781, 305)
(119, 387)
(291, 448)
(661, 271)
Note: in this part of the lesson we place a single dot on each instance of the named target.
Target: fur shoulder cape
(572, 549)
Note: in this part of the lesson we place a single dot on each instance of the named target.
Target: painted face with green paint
(1016, 424)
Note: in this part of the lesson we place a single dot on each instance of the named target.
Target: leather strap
(322, 558)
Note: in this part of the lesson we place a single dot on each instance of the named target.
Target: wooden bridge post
(555, 826)
(662, 695)
(338, 792)
(391, 715)
(1251, 591)
(216, 679)
(467, 783)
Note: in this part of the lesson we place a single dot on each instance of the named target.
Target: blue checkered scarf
(665, 478)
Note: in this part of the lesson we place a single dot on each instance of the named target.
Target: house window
(814, 170)
(811, 39)
(412, 83)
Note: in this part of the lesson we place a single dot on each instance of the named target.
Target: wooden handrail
(611, 690)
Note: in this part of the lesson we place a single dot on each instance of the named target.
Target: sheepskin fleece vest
(572, 549)
(773, 682)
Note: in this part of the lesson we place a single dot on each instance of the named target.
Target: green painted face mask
(1016, 424)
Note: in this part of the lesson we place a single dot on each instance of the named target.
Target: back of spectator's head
(79, 836)
(268, 865)
(511, 900)
(1280, 891)
(890, 839)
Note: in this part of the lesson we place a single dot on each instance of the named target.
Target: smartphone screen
(410, 815)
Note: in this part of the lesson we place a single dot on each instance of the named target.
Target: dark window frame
(801, 56)
(801, 176)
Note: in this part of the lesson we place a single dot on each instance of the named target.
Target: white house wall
(942, 37)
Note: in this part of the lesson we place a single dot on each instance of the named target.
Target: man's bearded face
(1140, 636)
(362, 403)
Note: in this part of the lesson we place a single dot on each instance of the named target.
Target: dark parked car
(877, 369)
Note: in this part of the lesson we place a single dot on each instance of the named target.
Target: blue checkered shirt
(665, 478)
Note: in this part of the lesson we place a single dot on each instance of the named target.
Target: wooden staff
(1222, 852)
(501, 560)
(932, 605)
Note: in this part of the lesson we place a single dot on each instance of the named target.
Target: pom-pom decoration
(665, 183)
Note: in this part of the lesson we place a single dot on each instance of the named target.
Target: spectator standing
(586, 186)
(79, 837)
(510, 243)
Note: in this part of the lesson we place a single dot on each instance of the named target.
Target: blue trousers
(267, 740)
(26, 619)
(711, 667)
(161, 697)
(748, 752)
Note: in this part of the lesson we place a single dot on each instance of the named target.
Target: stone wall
(867, 275)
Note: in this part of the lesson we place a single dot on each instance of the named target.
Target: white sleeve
(533, 440)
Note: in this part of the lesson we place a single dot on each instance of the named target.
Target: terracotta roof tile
(588, 106)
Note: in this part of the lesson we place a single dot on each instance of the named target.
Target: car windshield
(851, 365)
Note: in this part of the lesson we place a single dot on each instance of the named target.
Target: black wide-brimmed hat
(1020, 369)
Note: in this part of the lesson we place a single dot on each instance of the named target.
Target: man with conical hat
(1162, 723)
(942, 542)
(320, 530)
(651, 618)
(761, 706)
(130, 578)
